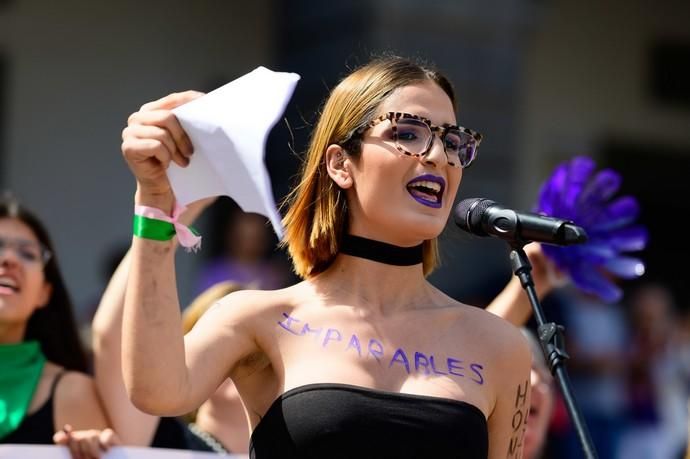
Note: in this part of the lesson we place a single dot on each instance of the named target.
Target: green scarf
(21, 366)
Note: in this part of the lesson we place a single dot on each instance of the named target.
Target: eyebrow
(20, 240)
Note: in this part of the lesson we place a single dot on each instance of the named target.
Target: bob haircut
(53, 325)
(318, 214)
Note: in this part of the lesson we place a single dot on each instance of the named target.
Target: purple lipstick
(427, 189)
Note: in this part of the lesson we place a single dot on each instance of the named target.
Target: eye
(453, 142)
(29, 254)
(407, 135)
(412, 132)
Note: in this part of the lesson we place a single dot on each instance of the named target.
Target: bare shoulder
(502, 341)
(77, 402)
(247, 306)
(75, 387)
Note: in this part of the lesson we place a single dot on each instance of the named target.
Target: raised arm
(512, 303)
(163, 376)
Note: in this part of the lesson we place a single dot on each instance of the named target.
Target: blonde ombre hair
(317, 214)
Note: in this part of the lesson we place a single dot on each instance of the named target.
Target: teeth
(8, 282)
(436, 187)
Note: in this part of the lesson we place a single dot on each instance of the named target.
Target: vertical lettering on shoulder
(521, 396)
(518, 422)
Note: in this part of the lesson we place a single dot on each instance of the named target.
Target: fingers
(60, 438)
(86, 444)
(171, 100)
(153, 138)
(163, 127)
(68, 440)
(109, 438)
(91, 446)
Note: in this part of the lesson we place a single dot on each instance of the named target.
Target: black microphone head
(468, 214)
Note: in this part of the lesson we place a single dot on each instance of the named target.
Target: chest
(415, 355)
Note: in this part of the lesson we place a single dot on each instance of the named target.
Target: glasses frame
(14, 244)
(439, 131)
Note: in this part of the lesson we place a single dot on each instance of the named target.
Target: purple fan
(576, 191)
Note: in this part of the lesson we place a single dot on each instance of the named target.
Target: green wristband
(150, 228)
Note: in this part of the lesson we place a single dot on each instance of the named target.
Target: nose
(436, 155)
(8, 256)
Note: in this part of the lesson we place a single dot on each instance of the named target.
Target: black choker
(381, 251)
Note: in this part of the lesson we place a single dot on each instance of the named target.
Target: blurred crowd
(629, 362)
(630, 369)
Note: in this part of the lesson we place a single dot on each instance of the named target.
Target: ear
(337, 165)
(44, 296)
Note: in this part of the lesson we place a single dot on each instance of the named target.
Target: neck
(11, 333)
(366, 281)
(381, 252)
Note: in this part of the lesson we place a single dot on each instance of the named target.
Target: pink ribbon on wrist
(185, 235)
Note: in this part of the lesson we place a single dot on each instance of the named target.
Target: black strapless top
(344, 421)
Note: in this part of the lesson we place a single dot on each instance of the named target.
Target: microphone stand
(551, 339)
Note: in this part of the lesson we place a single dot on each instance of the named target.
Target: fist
(153, 138)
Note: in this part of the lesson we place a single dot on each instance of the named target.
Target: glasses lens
(461, 147)
(29, 253)
(413, 136)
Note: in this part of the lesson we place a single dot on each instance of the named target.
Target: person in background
(658, 377)
(247, 256)
(44, 385)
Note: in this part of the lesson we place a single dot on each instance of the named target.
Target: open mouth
(427, 190)
(8, 285)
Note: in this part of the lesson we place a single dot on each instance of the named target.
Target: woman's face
(541, 407)
(390, 199)
(23, 287)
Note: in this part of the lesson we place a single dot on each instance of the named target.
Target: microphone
(483, 217)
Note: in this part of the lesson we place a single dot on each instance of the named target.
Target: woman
(364, 358)
(43, 380)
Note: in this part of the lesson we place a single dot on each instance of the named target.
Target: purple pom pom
(576, 191)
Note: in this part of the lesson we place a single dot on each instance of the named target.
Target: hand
(544, 272)
(152, 139)
(86, 444)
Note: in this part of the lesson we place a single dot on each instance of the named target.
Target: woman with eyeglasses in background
(44, 386)
(364, 358)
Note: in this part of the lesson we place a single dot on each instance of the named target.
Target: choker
(381, 252)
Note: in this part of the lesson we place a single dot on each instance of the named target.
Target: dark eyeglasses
(414, 136)
(30, 253)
